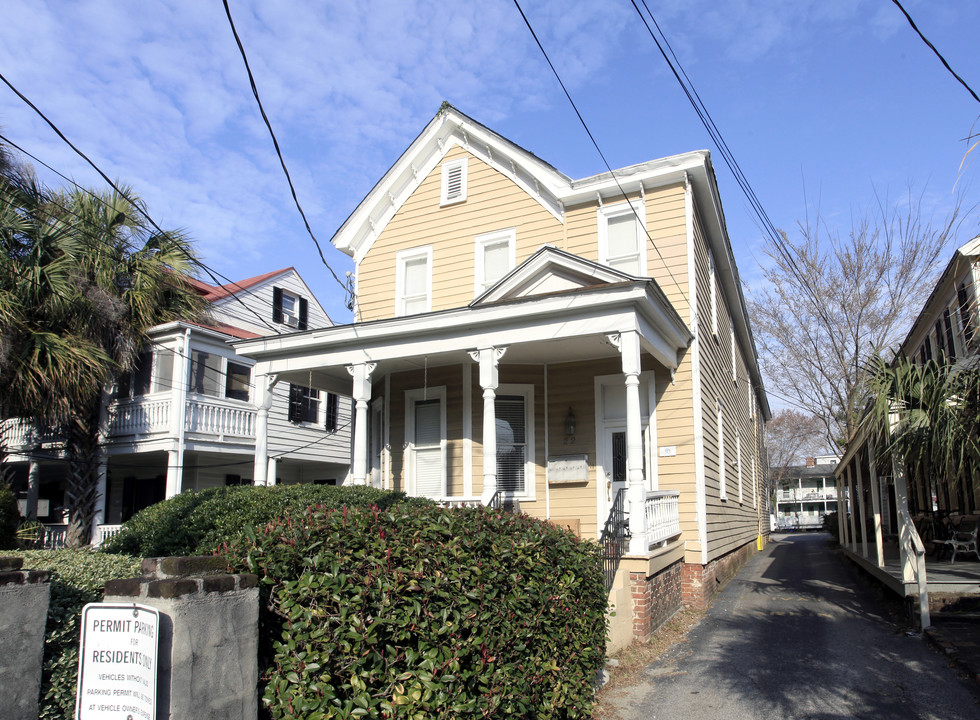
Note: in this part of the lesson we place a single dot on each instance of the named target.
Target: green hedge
(421, 612)
(78, 577)
(197, 522)
(9, 517)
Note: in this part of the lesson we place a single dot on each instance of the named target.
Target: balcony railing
(152, 416)
(663, 516)
(22, 435)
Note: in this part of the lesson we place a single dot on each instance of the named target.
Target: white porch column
(362, 395)
(98, 517)
(33, 486)
(636, 492)
(851, 505)
(876, 504)
(864, 512)
(841, 525)
(263, 401)
(178, 411)
(489, 359)
(904, 531)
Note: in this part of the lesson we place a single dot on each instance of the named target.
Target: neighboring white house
(185, 417)
(805, 493)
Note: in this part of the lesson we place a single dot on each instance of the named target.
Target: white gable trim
(448, 129)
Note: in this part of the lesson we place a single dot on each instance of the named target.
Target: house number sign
(117, 666)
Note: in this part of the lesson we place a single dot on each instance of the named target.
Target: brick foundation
(655, 599)
(700, 583)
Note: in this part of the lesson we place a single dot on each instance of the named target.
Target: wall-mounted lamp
(570, 423)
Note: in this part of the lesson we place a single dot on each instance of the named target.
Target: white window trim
(634, 208)
(527, 391)
(401, 258)
(290, 317)
(412, 397)
(722, 489)
(731, 327)
(492, 238)
(713, 280)
(738, 455)
(447, 168)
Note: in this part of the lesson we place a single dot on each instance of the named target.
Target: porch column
(841, 525)
(98, 517)
(33, 487)
(264, 384)
(851, 504)
(876, 504)
(864, 513)
(178, 413)
(904, 530)
(489, 359)
(362, 395)
(636, 492)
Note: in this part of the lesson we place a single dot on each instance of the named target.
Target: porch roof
(564, 326)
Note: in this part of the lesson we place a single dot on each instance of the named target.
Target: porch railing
(104, 532)
(139, 417)
(663, 516)
(218, 419)
(55, 537)
(21, 435)
(614, 538)
(914, 563)
(152, 416)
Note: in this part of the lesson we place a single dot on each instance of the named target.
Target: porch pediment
(550, 270)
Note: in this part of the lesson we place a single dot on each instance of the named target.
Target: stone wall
(24, 597)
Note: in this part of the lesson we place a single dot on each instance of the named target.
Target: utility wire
(933, 48)
(282, 162)
(598, 150)
(212, 273)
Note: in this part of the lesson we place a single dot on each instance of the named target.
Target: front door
(614, 462)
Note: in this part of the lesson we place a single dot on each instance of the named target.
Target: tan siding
(493, 203)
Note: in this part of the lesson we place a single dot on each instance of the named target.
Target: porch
(942, 575)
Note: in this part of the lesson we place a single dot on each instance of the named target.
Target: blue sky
(837, 96)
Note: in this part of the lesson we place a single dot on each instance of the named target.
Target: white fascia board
(447, 129)
(652, 174)
(172, 329)
(554, 317)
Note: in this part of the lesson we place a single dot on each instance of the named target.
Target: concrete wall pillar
(24, 596)
(208, 642)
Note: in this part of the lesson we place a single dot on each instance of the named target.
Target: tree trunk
(82, 491)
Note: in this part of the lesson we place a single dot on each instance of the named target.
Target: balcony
(21, 435)
(149, 417)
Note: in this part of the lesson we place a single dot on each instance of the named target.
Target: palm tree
(83, 277)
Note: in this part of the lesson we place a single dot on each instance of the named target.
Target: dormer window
(289, 309)
(453, 182)
(622, 233)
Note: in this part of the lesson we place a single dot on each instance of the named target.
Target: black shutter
(940, 352)
(295, 403)
(332, 404)
(302, 314)
(966, 317)
(277, 305)
(949, 334)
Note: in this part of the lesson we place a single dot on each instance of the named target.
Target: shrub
(78, 577)
(196, 522)
(421, 612)
(9, 517)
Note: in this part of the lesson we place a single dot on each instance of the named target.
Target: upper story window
(453, 181)
(237, 380)
(734, 363)
(217, 376)
(622, 231)
(139, 380)
(495, 257)
(413, 283)
(713, 281)
(289, 309)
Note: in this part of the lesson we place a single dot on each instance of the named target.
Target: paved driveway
(799, 635)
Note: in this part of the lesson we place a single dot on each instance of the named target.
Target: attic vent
(453, 182)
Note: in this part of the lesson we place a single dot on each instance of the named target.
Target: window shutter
(511, 442)
(302, 314)
(949, 334)
(295, 403)
(277, 304)
(332, 406)
(966, 317)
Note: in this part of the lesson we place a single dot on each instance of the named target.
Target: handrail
(910, 536)
(612, 541)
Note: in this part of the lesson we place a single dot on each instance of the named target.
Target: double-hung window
(289, 309)
(513, 410)
(413, 283)
(205, 373)
(494, 258)
(304, 404)
(237, 380)
(622, 232)
(425, 435)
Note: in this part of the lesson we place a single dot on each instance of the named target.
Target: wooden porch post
(851, 504)
(263, 389)
(629, 347)
(864, 511)
(362, 394)
(876, 503)
(489, 359)
(841, 525)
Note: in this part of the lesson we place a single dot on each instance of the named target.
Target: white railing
(914, 563)
(104, 532)
(22, 435)
(151, 416)
(451, 502)
(216, 418)
(663, 516)
(139, 417)
(55, 537)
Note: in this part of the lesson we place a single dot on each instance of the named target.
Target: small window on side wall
(494, 257)
(289, 309)
(453, 182)
(622, 236)
(413, 282)
(304, 404)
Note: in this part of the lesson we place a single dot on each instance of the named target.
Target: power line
(214, 274)
(933, 48)
(598, 150)
(282, 162)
